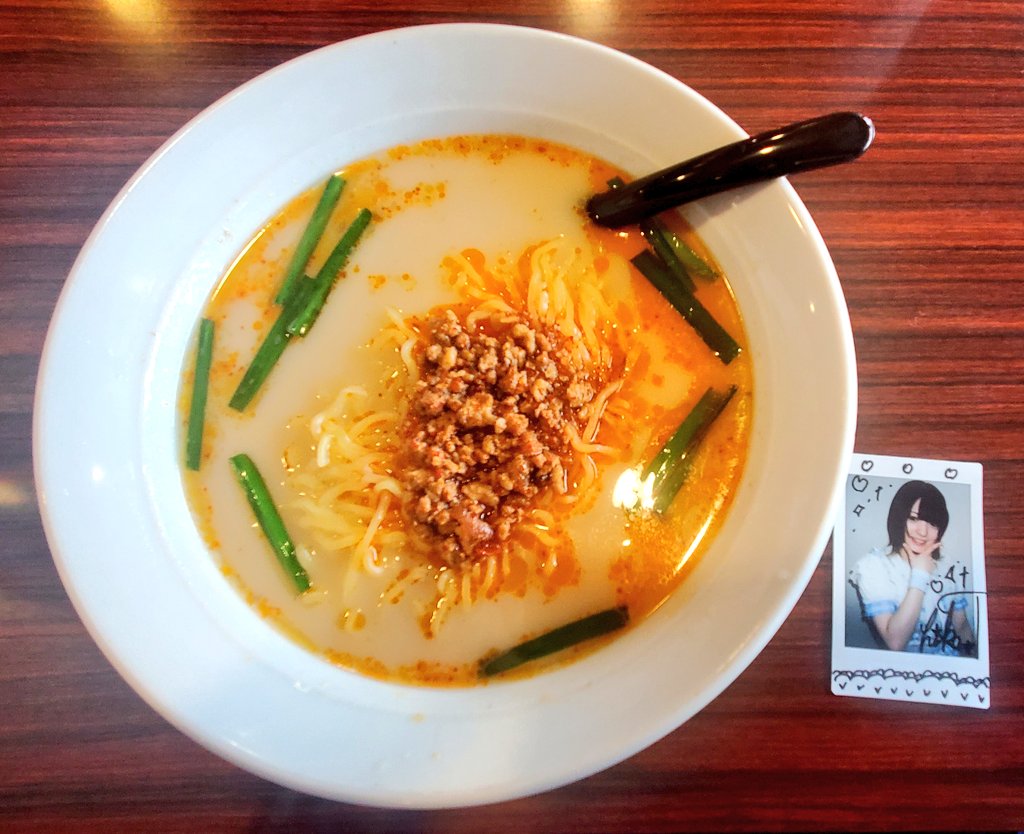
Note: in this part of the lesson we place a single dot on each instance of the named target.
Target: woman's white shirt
(882, 579)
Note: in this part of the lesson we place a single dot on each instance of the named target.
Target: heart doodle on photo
(951, 473)
(867, 465)
(859, 484)
(924, 686)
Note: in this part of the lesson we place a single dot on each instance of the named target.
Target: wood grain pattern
(927, 233)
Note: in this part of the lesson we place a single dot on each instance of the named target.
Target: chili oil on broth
(489, 202)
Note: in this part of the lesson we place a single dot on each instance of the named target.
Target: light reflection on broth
(479, 239)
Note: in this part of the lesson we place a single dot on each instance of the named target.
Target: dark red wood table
(927, 233)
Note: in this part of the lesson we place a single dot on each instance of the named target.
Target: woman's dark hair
(932, 509)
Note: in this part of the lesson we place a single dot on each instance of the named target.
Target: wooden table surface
(927, 233)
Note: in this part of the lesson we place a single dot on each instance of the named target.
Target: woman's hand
(923, 561)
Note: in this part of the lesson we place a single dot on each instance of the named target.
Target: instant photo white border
(907, 675)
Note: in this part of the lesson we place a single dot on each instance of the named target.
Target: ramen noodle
(457, 448)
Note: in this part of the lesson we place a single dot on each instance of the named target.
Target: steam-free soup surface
(487, 232)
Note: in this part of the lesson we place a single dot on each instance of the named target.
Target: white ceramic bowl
(105, 428)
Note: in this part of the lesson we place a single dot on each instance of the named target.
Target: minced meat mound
(488, 430)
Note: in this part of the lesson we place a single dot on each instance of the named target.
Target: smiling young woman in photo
(895, 584)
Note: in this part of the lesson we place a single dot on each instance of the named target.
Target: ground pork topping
(489, 428)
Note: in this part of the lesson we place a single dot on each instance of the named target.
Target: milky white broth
(498, 195)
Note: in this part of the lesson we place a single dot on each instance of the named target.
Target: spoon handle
(804, 146)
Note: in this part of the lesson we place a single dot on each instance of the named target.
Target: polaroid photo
(909, 604)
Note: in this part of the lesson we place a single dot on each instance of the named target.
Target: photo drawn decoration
(909, 600)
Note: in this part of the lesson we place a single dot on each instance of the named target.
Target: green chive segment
(259, 369)
(200, 386)
(272, 347)
(307, 313)
(269, 519)
(310, 237)
(691, 261)
(656, 235)
(556, 640)
(714, 335)
(304, 300)
(671, 466)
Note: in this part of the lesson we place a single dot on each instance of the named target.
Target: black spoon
(804, 146)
